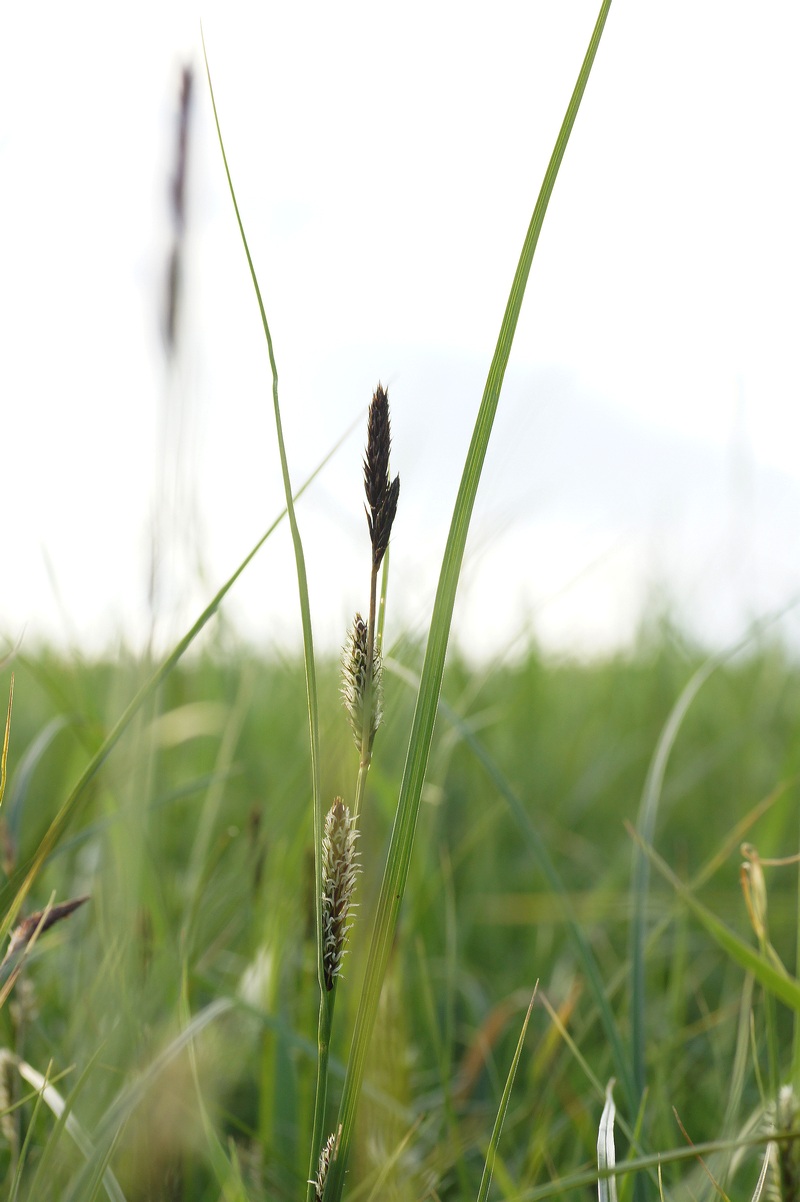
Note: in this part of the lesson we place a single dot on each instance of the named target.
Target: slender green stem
(771, 1025)
(366, 727)
(4, 753)
(324, 1027)
(361, 786)
(308, 641)
(377, 617)
(382, 603)
(795, 1072)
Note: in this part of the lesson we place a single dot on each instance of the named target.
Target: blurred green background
(195, 846)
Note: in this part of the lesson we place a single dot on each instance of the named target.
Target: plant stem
(324, 1025)
(366, 729)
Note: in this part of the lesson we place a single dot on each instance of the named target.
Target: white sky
(387, 159)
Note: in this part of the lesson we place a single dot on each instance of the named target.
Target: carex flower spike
(355, 661)
(339, 872)
(381, 493)
(325, 1155)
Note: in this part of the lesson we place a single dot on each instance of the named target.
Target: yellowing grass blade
(4, 758)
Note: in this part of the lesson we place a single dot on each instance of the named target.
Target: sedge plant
(382, 502)
(335, 836)
(327, 1145)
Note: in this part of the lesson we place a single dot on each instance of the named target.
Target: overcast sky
(387, 159)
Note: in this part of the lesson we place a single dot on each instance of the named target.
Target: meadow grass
(221, 1021)
(99, 1005)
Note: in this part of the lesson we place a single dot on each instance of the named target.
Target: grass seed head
(354, 681)
(325, 1157)
(381, 493)
(339, 872)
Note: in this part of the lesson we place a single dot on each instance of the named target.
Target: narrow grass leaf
(486, 1179)
(6, 736)
(325, 1000)
(302, 579)
(24, 770)
(402, 838)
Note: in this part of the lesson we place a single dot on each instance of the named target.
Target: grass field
(182, 889)
(195, 847)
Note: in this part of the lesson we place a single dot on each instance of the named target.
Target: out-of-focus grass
(195, 846)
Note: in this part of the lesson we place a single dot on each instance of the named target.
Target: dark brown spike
(381, 529)
(379, 442)
(42, 920)
(381, 494)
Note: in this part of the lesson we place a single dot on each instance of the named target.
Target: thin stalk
(491, 1155)
(308, 648)
(795, 1043)
(771, 1023)
(366, 728)
(382, 603)
(6, 735)
(324, 1027)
